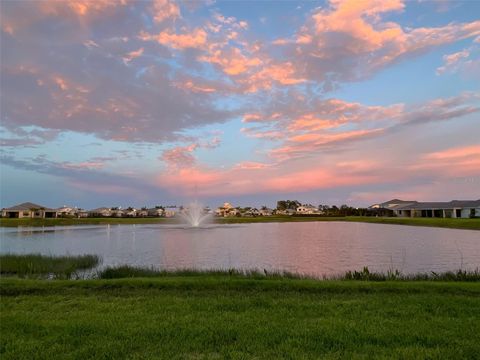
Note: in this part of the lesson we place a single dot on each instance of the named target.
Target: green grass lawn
(471, 224)
(222, 317)
(82, 221)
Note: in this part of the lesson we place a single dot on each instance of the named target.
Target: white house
(307, 210)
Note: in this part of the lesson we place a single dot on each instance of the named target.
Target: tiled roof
(100, 209)
(27, 206)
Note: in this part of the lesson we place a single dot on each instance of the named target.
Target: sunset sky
(119, 102)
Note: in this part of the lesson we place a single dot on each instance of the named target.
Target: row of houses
(395, 207)
(31, 210)
(228, 210)
(450, 209)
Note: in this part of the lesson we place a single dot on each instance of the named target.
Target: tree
(281, 205)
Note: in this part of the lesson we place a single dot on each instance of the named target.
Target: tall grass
(365, 274)
(36, 265)
(126, 271)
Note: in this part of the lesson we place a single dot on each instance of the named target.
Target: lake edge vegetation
(69, 266)
(467, 224)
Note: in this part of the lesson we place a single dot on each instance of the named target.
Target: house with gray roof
(450, 209)
(29, 210)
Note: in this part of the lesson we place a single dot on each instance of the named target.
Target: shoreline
(466, 224)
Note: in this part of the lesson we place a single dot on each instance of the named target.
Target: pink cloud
(180, 156)
(267, 76)
(250, 165)
(456, 153)
(196, 39)
(165, 9)
(254, 178)
(132, 55)
(191, 86)
(231, 60)
(349, 40)
(453, 162)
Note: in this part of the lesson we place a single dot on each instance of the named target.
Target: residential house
(117, 212)
(82, 213)
(307, 210)
(143, 212)
(288, 212)
(100, 212)
(67, 211)
(29, 210)
(157, 212)
(266, 211)
(252, 212)
(227, 210)
(130, 212)
(451, 209)
(170, 211)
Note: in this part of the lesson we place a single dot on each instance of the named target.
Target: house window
(25, 213)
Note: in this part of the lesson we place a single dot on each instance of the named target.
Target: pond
(314, 248)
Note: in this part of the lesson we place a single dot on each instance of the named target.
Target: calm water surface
(317, 248)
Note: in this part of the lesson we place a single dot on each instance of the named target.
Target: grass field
(222, 317)
(471, 224)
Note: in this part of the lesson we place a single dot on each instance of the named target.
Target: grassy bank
(470, 224)
(215, 316)
(35, 265)
(5, 222)
(126, 271)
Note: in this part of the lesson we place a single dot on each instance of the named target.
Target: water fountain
(194, 214)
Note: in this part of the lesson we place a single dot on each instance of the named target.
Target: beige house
(100, 212)
(156, 212)
(29, 210)
(226, 209)
(66, 211)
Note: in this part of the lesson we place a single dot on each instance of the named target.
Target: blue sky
(112, 103)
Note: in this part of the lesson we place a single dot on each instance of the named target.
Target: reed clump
(46, 266)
